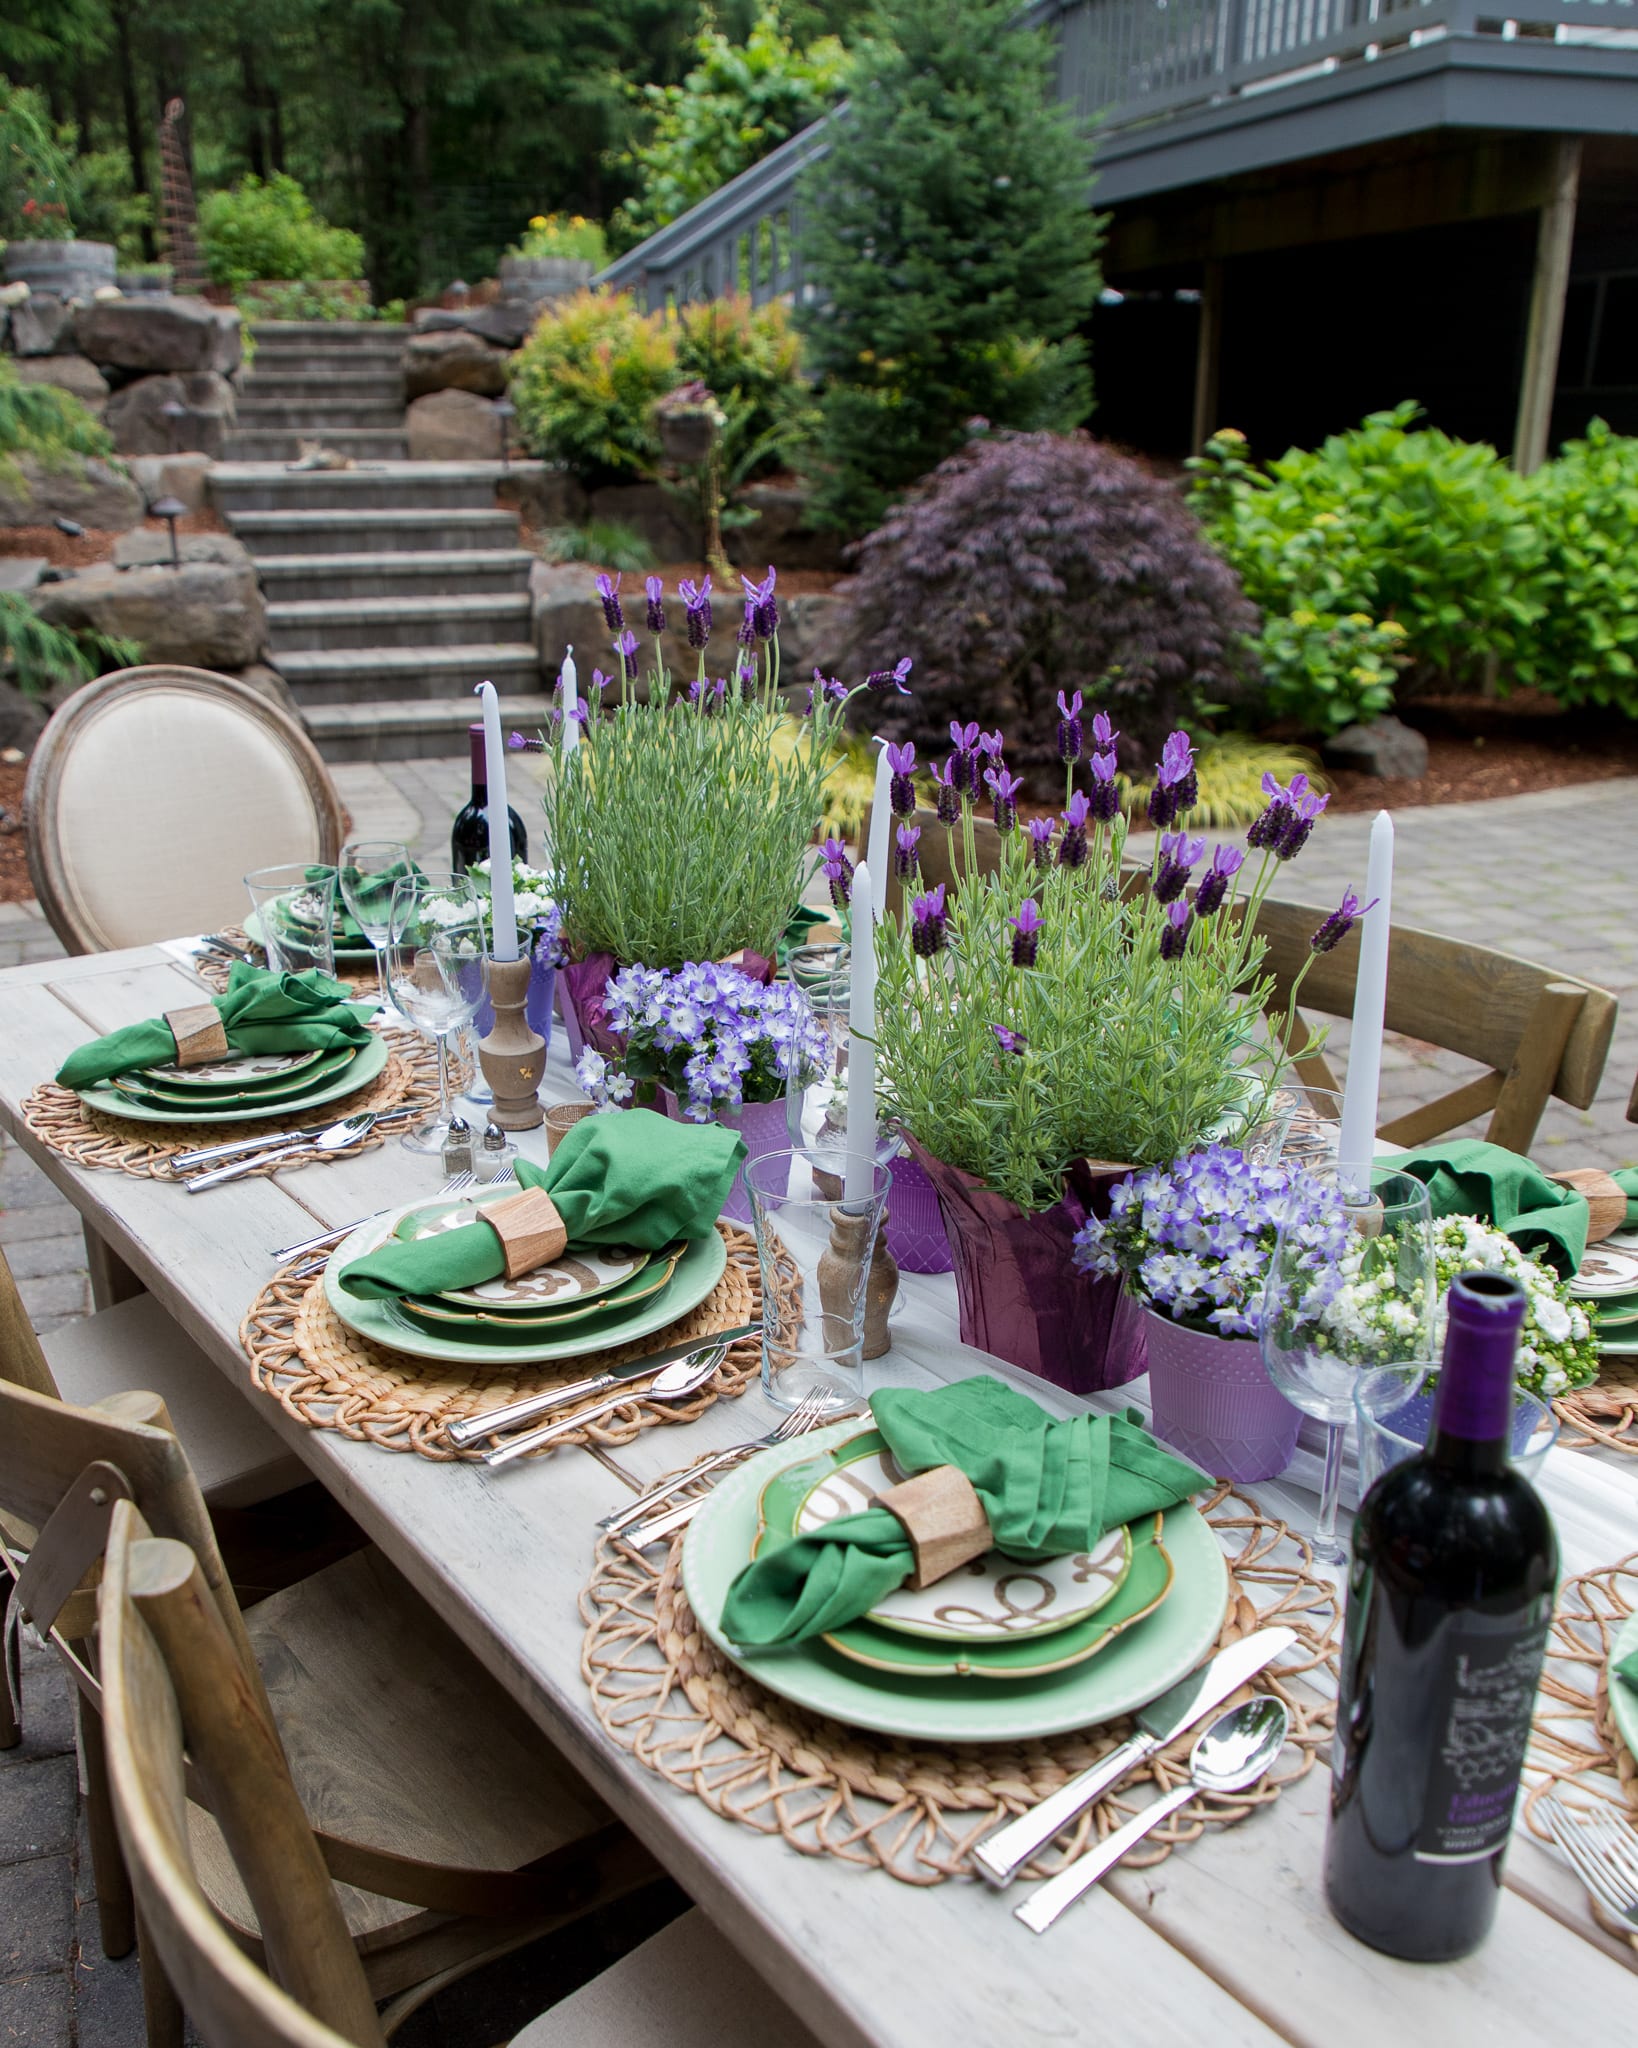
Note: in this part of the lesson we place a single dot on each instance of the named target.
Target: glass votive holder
(561, 1118)
(295, 908)
(814, 1251)
(1300, 1127)
(1395, 1425)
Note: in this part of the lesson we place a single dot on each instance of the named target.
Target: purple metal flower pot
(1020, 1293)
(915, 1227)
(581, 984)
(765, 1127)
(1214, 1402)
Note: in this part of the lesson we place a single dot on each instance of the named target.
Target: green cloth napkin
(1048, 1488)
(1541, 1216)
(629, 1177)
(261, 1011)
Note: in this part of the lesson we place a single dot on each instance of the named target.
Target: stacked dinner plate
(1607, 1287)
(239, 1088)
(584, 1301)
(997, 1652)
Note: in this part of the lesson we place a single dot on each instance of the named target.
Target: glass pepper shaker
(495, 1155)
(458, 1150)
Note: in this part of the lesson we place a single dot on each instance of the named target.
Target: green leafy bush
(108, 208)
(37, 189)
(1584, 649)
(39, 420)
(585, 382)
(609, 543)
(558, 234)
(37, 657)
(269, 230)
(751, 358)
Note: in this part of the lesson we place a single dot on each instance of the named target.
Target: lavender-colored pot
(765, 1127)
(1214, 1402)
(1020, 1293)
(915, 1226)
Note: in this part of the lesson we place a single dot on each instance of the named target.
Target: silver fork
(641, 1535)
(456, 1184)
(1602, 1849)
(797, 1423)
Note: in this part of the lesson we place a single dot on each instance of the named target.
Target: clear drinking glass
(434, 964)
(1395, 1424)
(815, 1258)
(295, 906)
(822, 970)
(1328, 1320)
(1300, 1127)
(369, 871)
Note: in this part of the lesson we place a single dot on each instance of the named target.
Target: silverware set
(1602, 1849)
(246, 1155)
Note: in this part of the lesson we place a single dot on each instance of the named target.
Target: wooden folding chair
(1538, 1033)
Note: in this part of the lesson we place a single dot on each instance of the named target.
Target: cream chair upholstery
(684, 1988)
(154, 792)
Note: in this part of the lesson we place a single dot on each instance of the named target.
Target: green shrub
(570, 235)
(585, 382)
(608, 543)
(1584, 649)
(37, 188)
(108, 208)
(270, 231)
(39, 420)
(751, 357)
(37, 657)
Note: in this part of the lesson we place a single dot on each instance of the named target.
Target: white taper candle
(877, 858)
(860, 1177)
(504, 944)
(1356, 1145)
(571, 698)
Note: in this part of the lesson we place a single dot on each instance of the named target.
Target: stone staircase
(338, 381)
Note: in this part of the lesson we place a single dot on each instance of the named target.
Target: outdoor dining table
(1227, 1941)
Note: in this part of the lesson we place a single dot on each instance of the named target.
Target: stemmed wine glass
(434, 968)
(368, 873)
(1351, 1285)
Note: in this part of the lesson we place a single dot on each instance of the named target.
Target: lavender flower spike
(625, 645)
(1009, 1041)
(1226, 863)
(746, 636)
(1341, 922)
(654, 590)
(838, 872)
(1040, 832)
(1072, 846)
(1104, 734)
(759, 598)
(1174, 936)
(1105, 795)
(520, 745)
(1026, 933)
(823, 686)
(901, 763)
(949, 782)
(894, 678)
(1177, 856)
(1294, 833)
(1176, 788)
(1071, 732)
(608, 589)
(1004, 790)
(928, 919)
(906, 860)
(696, 599)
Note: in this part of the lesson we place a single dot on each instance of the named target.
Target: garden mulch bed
(14, 882)
(1479, 748)
(65, 551)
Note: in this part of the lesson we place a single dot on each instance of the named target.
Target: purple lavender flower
(1105, 795)
(696, 599)
(520, 745)
(1226, 863)
(1295, 831)
(1071, 732)
(1026, 933)
(894, 678)
(1009, 1041)
(1175, 787)
(1072, 846)
(838, 872)
(906, 860)
(1104, 734)
(948, 782)
(625, 645)
(1177, 856)
(1174, 936)
(992, 745)
(745, 676)
(654, 590)
(1341, 922)
(608, 589)
(823, 686)
(901, 762)
(928, 919)
(760, 598)
(1267, 828)
(580, 715)
(1004, 790)
(1040, 832)
(746, 636)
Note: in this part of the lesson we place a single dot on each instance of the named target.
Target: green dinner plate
(570, 1277)
(436, 1311)
(346, 956)
(326, 1069)
(1624, 1697)
(1135, 1668)
(698, 1271)
(358, 1074)
(235, 1072)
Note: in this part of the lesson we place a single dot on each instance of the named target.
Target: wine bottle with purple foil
(469, 836)
(1449, 1597)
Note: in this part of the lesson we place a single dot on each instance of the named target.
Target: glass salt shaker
(459, 1156)
(495, 1155)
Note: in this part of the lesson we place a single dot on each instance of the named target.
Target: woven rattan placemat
(663, 1693)
(58, 1118)
(213, 970)
(329, 1377)
(1605, 1413)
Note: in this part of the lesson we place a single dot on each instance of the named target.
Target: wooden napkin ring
(1606, 1202)
(200, 1034)
(529, 1228)
(944, 1519)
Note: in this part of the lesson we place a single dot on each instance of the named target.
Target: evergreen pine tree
(949, 235)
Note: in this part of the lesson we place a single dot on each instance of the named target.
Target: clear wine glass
(1351, 1286)
(434, 968)
(295, 906)
(369, 871)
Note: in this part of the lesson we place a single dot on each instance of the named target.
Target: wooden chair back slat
(21, 1359)
(172, 1680)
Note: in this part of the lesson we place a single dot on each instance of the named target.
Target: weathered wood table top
(1227, 1941)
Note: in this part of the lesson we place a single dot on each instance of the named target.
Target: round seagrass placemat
(58, 1118)
(1576, 1750)
(664, 1693)
(1605, 1413)
(213, 970)
(329, 1377)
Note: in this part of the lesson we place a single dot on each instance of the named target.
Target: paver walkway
(1544, 876)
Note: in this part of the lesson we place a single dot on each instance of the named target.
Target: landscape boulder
(206, 614)
(77, 375)
(90, 492)
(269, 684)
(453, 360)
(159, 334)
(185, 477)
(1384, 747)
(544, 496)
(453, 426)
(780, 531)
(43, 325)
(22, 718)
(506, 323)
(815, 631)
(666, 520)
(137, 421)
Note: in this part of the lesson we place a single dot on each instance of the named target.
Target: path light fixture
(170, 510)
(173, 412)
(506, 412)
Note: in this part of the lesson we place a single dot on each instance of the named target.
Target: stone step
(350, 362)
(416, 622)
(385, 675)
(296, 387)
(256, 443)
(368, 529)
(458, 572)
(347, 334)
(314, 415)
(455, 486)
(413, 729)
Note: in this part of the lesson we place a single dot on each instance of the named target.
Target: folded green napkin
(1541, 1216)
(261, 1012)
(626, 1178)
(1048, 1488)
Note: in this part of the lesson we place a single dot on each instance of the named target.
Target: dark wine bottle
(1449, 1597)
(469, 835)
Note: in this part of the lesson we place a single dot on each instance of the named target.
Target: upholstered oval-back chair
(154, 792)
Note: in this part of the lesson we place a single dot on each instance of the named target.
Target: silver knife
(187, 1161)
(499, 1419)
(1000, 1857)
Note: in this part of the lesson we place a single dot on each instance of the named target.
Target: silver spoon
(347, 1132)
(1233, 1753)
(671, 1384)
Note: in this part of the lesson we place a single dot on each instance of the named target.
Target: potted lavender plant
(1049, 1024)
(1192, 1241)
(712, 1045)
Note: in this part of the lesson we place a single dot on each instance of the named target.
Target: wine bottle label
(1482, 1713)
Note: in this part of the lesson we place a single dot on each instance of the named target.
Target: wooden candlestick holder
(513, 1053)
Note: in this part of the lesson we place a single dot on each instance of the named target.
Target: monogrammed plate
(236, 1072)
(1605, 1270)
(593, 1272)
